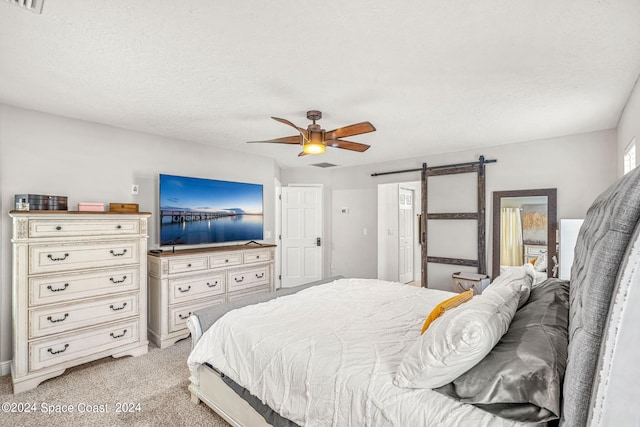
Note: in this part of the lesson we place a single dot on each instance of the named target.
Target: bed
(350, 351)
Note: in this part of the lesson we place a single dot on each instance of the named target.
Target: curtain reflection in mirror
(511, 247)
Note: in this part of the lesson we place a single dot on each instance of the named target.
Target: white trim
(5, 368)
(630, 146)
(277, 280)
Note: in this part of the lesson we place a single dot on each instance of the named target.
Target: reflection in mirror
(524, 224)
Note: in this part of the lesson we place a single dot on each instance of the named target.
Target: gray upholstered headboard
(600, 250)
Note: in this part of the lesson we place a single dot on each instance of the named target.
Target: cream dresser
(79, 290)
(187, 280)
(532, 252)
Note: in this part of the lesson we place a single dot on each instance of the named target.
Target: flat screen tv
(197, 211)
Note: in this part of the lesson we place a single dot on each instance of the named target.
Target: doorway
(405, 234)
(302, 235)
(398, 244)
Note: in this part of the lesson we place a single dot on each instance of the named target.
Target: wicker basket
(463, 281)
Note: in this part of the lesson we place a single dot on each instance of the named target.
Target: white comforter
(327, 355)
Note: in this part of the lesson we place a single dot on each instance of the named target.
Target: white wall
(629, 127)
(579, 166)
(88, 162)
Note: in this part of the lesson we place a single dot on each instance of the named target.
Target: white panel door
(405, 235)
(301, 235)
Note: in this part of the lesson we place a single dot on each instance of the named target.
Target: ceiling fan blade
(356, 129)
(347, 145)
(302, 153)
(296, 139)
(302, 131)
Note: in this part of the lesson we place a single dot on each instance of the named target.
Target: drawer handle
(257, 256)
(118, 281)
(118, 226)
(58, 320)
(188, 265)
(66, 285)
(259, 276)
(58, 228)
(238, 280)
(124, 251)
(124, 304)
(50, 350)
(212, 286)
(186, 290)
(118, 336)
(184, 317)
(57, 259)
(226, 260)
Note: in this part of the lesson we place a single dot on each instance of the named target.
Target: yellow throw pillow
(445, 305)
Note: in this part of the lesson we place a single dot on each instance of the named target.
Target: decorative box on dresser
(79, 290)
(186, 280)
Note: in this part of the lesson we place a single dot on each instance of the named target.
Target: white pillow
(458, 340)
(521, 278)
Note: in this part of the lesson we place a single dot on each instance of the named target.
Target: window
(630, 156)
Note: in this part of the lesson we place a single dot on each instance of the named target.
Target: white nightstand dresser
(531, 252)
(79, 290)
(183, 281)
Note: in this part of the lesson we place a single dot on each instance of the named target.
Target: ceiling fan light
(313, 148)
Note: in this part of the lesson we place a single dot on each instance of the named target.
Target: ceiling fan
(314, 139)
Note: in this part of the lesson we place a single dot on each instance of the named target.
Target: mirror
(524, 230)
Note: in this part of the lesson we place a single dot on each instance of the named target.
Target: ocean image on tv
(199, 211)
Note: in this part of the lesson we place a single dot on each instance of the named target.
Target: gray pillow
(521, 378)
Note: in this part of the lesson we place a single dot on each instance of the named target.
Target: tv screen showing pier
(196, 211)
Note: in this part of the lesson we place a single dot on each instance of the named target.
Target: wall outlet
(135, 189)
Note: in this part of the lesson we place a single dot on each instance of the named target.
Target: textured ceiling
(432, 76)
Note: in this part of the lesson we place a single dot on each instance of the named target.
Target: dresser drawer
(535, 250)
(216, 261)
(54, 258)
(62, 318)
(178, 315)
(189, 288)
(72, 346)
(257, 256)
(67, 287)
(262, 289)
(82, 227)
(190, 264)
(248, 278)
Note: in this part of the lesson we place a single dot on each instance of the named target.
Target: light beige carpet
(157, 381)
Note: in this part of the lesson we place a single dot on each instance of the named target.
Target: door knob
(318, 242)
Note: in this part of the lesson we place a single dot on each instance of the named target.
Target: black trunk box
(38, 202)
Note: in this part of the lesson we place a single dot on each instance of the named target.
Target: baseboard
(5, 368)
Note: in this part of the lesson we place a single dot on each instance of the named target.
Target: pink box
(91, 207)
